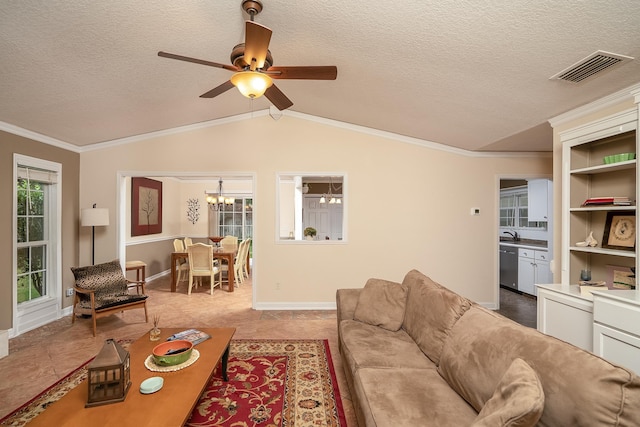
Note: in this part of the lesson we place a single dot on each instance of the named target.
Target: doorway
(190, 186)
(525, 233)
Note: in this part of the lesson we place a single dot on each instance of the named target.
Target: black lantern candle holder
(109, 375)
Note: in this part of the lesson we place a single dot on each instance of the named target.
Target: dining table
(220, 253)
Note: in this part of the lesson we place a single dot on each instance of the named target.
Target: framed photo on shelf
(146, 206)
(621, 277)
(620, 231)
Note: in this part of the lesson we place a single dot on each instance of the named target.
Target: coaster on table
(151, 365)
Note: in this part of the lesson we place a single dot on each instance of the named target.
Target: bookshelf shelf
(586, 177)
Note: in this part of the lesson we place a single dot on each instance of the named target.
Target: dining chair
(187, 242)
(237, 263)
(243, 261)
(201, 265)
(183, 264)
(229, 241)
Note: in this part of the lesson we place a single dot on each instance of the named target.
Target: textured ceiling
(469, 74)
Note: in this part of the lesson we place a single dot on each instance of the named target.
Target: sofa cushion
(364, 345)
(518, 400)
(381, 303)
(579, 387)
(409, 397)
(431, 310)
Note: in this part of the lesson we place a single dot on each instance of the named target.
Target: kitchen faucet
(513, 234)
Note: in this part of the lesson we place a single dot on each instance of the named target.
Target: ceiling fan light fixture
(251, 84)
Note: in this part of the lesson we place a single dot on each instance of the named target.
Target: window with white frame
(37, 234)
(237, 219)
(514, 210)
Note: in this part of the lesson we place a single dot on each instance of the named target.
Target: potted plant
(310, 233)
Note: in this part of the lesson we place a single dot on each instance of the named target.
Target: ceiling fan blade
(329, 72)
(218, 90)
(197, 61)
(278, 98)
(256, 43)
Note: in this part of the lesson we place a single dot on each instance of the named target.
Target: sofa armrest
(346, 302)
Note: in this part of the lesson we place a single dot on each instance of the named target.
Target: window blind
(38, 175)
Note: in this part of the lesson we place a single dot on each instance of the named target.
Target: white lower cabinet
(564, 314)
(607, 325)
(616, 329)
(533, 269)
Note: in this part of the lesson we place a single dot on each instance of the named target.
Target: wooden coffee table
(170, 406)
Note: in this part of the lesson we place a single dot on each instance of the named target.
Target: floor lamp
(94, 217)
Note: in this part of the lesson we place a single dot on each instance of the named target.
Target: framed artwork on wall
(146, 206)
(619, 277)
(620, 231)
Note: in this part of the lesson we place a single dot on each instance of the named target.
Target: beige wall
(426, 226)
(70, 161)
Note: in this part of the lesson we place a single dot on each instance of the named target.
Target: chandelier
(329, 196)
(217, 201)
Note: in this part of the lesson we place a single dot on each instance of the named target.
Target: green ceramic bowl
(172, 352)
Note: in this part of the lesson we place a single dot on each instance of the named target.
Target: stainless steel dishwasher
(509, 266)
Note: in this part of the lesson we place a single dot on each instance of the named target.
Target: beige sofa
(418, 354)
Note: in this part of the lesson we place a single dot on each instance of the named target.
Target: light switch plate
(475, 211)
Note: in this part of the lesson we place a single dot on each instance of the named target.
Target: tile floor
(40, 357)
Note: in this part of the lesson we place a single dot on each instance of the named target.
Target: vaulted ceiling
(469, 74)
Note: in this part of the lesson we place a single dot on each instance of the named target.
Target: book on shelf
(587, 286)
(609, 200)
(193, 335)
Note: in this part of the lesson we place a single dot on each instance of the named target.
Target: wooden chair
(102, 290)
(243, 261)
(240, 262)
(183, 265)
(229, 242)
(201, 265)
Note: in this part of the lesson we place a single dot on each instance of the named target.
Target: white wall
(426, 225)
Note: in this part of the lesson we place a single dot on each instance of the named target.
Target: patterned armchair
(102, 290)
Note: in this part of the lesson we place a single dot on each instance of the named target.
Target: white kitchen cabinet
(616, 329)
(533, 268)
(540, 195)
(565, 314)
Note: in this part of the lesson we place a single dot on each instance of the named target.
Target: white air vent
(593, 64)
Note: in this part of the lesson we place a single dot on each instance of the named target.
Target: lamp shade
(94, 217)
(251, 83)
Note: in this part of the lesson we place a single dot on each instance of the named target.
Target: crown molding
(413, 141)
(173, 131)
(595, 106)
(15, 130)
(245, 116)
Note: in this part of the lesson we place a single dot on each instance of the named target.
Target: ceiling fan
(253, 65)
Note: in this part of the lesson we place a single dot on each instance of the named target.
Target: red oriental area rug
(271, 383)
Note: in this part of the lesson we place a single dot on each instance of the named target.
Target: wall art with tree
(146, 206)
